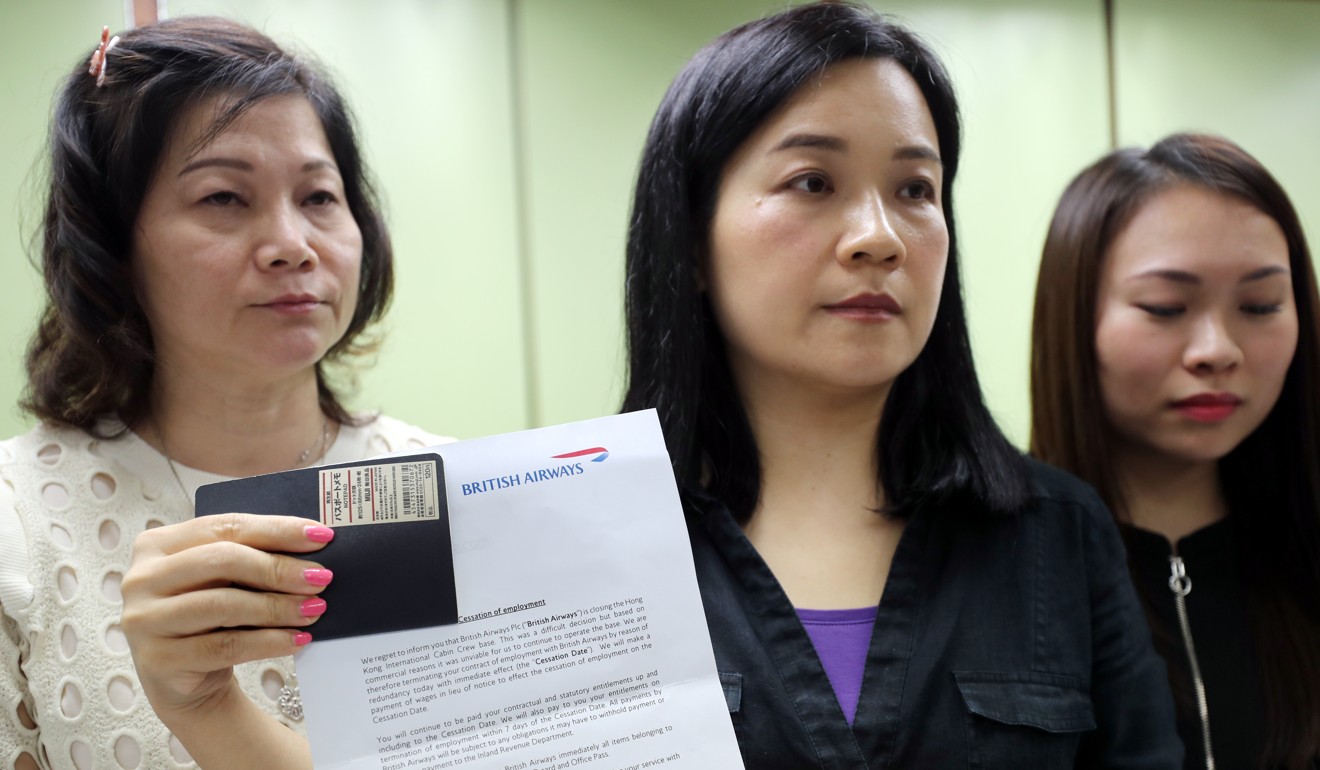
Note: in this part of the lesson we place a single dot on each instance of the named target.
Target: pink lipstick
(866, 307)
(1208, 407)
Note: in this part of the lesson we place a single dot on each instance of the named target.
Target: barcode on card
(379, 494)
(409, 486)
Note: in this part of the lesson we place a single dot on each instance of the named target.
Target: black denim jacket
(1000, 642)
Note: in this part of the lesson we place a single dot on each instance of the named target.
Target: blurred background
(504, 136)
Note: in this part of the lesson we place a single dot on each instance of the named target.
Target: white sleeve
(16, 738)
(15, 586)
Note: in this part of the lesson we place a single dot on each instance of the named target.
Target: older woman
(211, 246)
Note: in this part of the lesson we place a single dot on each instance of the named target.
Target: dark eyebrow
(1265, 272)
(1182, 276)
(1177, 276)
(814, 141)
(234, 163)
(915, 152)
(317, 165)
(835, 144)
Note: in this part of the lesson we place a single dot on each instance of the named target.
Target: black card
(392, 559)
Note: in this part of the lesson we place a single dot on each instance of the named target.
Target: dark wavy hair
(92, 354)
(1271, 479)
(936, 439)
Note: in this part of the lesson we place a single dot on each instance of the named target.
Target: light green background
(504, 135)
(1247, 70)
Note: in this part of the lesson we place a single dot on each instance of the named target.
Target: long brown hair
(1272, 478)
(92, 354)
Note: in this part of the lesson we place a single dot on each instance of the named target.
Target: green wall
(31, 64)
(504, 135)
(1247, 70)
(1031, 76)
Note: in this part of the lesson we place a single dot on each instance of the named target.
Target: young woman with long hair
(1176, 367)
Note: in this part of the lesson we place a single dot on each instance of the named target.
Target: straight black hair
(937, 440)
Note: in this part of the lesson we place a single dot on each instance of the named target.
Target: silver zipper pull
(1179, 583)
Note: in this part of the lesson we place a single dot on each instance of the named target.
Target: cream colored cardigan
(70, 507)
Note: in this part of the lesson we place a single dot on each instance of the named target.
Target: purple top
(841, 639)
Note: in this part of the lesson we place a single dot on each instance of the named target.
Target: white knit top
(70, 507)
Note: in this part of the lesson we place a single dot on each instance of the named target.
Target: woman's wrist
(211, 733)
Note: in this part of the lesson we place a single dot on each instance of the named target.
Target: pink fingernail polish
(312, 607)
(301, 638)
(319, 534)
(318, 577)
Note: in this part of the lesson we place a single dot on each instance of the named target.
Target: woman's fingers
(220, 564)
(221, 650)
(267, 533)
(204, 595)
(201, 612)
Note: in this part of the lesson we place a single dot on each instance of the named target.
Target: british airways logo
(538, 475)
(601, 451)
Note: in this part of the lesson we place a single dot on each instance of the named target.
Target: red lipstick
(866, 307)
(1208, 407)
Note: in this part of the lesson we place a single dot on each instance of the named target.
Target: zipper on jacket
(1181, 585)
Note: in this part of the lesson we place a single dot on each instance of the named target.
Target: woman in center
(887, 581)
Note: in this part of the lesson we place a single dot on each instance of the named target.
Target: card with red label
(391, 556)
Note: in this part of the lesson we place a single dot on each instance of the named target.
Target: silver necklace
(290, 696)
(322, 444)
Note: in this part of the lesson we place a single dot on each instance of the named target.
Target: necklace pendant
(290, 700)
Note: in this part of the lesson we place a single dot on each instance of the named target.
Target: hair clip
(97, 65)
